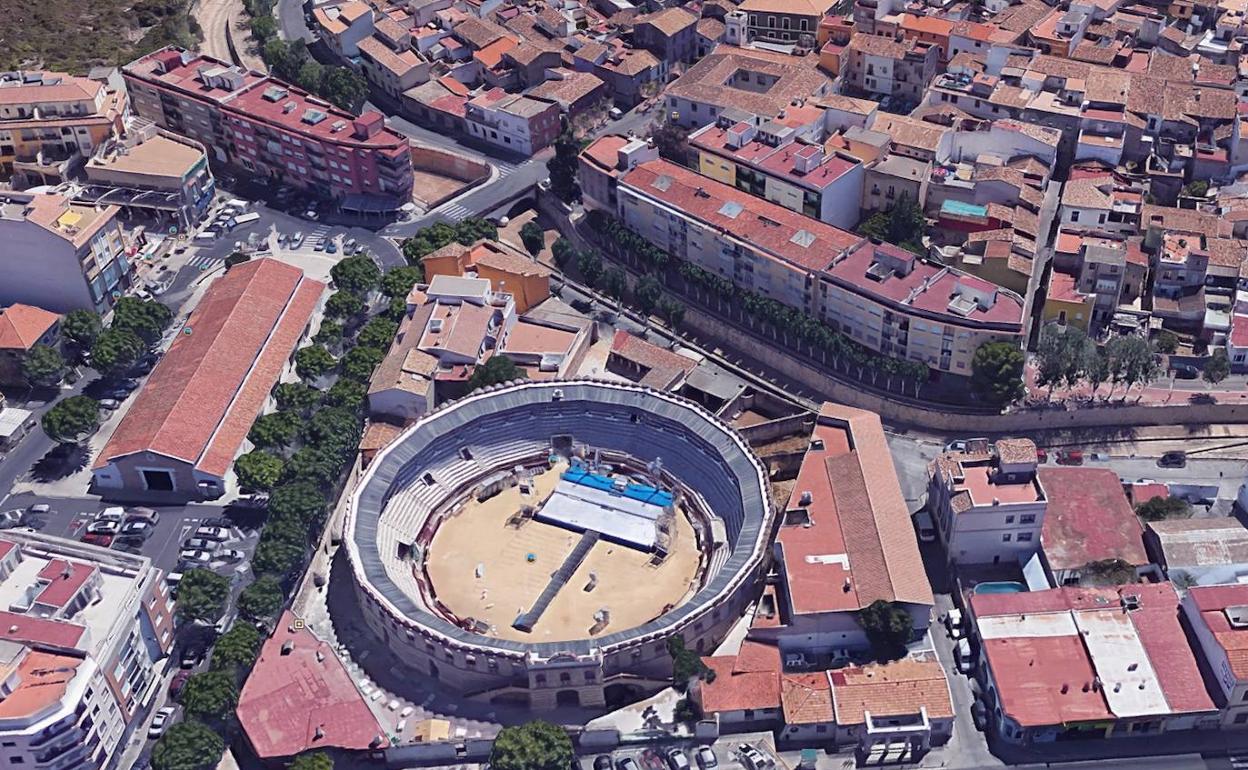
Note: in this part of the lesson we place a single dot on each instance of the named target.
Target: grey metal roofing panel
(724, 472)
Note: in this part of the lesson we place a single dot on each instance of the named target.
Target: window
(1009, 519)
(1027, 518)
(1006, 537)
(1074, 216)
(1024, 537)
(1241, 718)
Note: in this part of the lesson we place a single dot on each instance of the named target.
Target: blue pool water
(1003, 587)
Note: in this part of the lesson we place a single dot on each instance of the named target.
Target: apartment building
(60, 255)
(782, 21)
(272, 130)
(82, 635)
(882, 297)
(987, 502)
(50, 122)
(899, 68)
(669, 34)
(153, 171)
(769, 163)
(1218, 617)
(760, 83)
(514, 122)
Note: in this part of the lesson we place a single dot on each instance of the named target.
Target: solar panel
(731, 209)
(663, 182)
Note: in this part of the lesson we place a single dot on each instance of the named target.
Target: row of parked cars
(677, 759)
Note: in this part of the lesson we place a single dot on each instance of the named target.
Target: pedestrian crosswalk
(454, 211)
(317, 236)
(204, 262)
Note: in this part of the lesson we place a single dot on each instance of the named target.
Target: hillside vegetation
(75, 35)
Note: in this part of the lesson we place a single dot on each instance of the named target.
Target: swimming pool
(1001, 587)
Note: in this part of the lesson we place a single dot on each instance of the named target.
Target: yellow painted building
(718, 168)
(1065, 304)
(521, 276)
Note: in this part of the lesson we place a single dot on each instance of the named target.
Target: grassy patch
(73, 35)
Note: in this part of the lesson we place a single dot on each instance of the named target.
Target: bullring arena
(539, 543)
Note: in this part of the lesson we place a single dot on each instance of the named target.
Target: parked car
(706, 758)
(1070, 457)
(979, 712)
(1042, 456)
(160, 722)
(752, 758)
(112, 513)
(177, 683)
(962, 651)
(310, 214)
(677, 760)
(602, 762)
(925, 526)
(348, 246)
(199, 544)
(194, 558)
(230, 555)
(615, 113)
(213, 533)
(1176, 459)
(953, 622)
(11, 519)
(331, 247)
(320, 246)
(627, 763)
(92, 538)
(192, 656)
(653, 760)
(137, 529)
(1186, 371)
(141, 513)
(40, 508)
(106, 527)
(296, 240)
(216, 521)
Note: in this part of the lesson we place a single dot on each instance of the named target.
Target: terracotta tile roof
(711, 29)
(669, 21)
(42, 679)
(1016, 450)
(662, 368)
(899, 688)
(569, 89)
(735, 690)
(767, 225)
(705, 82)
(816, 8)
(1088, 519)
(15, 627)
(478, 33)
(806, 699)
(21, 326)
(303, 698)
(63, 580)
(908, 132)
(199, 402)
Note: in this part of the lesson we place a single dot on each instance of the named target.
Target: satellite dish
(186, 330)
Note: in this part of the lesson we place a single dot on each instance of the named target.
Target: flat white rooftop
(616, 518)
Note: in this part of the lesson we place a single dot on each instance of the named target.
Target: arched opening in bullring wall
(567, 698)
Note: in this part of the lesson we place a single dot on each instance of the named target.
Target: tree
(278, 555)
(536, 745)
(563, 251)
(361, 361)
(313, 760)
(533, 237)
(1107, 572)
(237, 258)
(686, 663)
(258, 471)
(562, 168)
(210, 695)
(358, 275)
(1058, 357)
(903, 225)
(81, 327)
(1196, 188)
(262, 599)
(888, 627)
(648, 291)
(1166, 341)
(614, 283)
(236, 649)
(1096, 367)
(1131, 360)
(296, 397)
(188, 745)
(71, 419)
(1159, 508)
(997, 372)
(146, 318)
(115, 350)
(277, 429)
(672, 311)
(398, 282)
(671, 140)
(348, 394)
(378, 333)
(342, 86)
(589, 265)
(300, 501)
(202, 595)
(43, 366)
(469, 231)
(313, 361)
(687, 710)
(344, 304)
(498, 369)
(1217, 368)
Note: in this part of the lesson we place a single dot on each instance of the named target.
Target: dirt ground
(213, 17)
(428, 188)
(509, 582)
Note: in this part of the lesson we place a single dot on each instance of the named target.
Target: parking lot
(70, 518)
(724, 754)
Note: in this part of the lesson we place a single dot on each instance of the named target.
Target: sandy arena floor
(628, 586)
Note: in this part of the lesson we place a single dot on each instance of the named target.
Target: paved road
(291, 22)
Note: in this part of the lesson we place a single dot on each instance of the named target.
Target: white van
(243, 219)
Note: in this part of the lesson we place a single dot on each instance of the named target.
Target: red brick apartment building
(273, 129)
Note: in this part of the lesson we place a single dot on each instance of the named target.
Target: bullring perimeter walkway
(517, 564)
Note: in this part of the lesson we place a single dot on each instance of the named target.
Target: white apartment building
(60, 255)
(80, 640)
(517, 123)
(1218, 617)
(987, 502)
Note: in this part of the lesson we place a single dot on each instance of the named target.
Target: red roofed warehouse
(846, 541)
(189, 421)
(1218, 617)
(272, 129)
